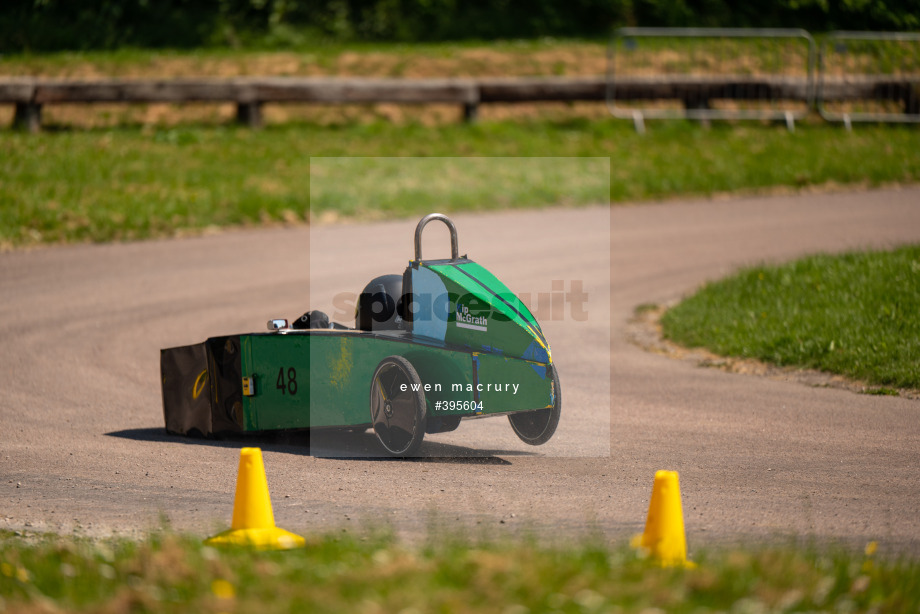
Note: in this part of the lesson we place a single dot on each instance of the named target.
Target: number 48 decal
(288, 386)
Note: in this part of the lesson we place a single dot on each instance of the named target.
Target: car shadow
(329, 443)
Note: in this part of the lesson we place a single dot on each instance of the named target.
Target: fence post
(470, 112)
(249, 114)
(28, 117)
(912, 101)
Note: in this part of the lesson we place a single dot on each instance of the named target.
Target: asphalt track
(82, 445)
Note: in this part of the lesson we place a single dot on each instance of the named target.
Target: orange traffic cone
(664, 537)
(253, 521)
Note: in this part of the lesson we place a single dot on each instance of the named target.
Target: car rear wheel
(398, 410)
(537, 427)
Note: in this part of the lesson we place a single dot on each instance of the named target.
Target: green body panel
(265, 359)
(476, 279)
(482, 313)
(323, 378)
(533, 380)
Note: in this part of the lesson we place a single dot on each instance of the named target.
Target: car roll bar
(454, 248)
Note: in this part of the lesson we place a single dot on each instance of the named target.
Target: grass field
(857, 314)
(341, 573)
(138, 181)
(355, 59)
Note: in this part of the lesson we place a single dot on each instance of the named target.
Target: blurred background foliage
(54, 25)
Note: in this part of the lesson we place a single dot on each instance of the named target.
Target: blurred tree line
(44, 25)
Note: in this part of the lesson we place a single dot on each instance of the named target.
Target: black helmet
(380, 305)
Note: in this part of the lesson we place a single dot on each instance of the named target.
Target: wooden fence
(29, 95)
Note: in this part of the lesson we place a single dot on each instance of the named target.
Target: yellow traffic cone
(253, 521)
(664, 537)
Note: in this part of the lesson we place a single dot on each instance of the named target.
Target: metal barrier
(870, 77)
(710, 73)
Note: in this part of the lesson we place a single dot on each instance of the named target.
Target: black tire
(537, 427)
(398, 417)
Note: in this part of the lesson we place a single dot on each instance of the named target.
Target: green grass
(397, 187)
(170, 573)
(857, 314)
(546, 56)
(136, 182)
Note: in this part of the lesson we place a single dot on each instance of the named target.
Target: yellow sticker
(199, 384)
